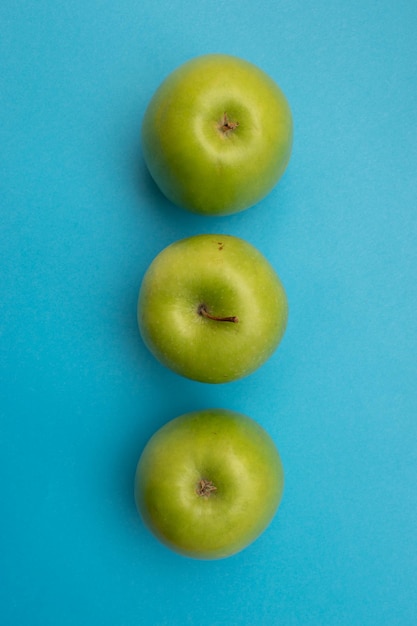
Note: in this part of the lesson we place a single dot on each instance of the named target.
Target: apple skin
(194, 160)
(226, 450)
(230, 277)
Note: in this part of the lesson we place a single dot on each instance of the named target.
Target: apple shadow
(152, 201)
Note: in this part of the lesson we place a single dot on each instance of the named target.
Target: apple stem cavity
(202, 310)
(205, 488)
(226, 125)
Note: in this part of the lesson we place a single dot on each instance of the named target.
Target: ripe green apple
(208, 483)
(217, 135)
(212, 308)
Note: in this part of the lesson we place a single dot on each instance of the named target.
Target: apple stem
(226, 125)
(202, 310)
(205, 488)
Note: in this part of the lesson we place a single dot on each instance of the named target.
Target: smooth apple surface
(212, 308)
(217, 135)
(209, 483)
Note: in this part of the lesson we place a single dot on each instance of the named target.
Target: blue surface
(80, 395)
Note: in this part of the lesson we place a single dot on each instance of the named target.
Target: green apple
(208, 483)
(212, 308)
(217, 135)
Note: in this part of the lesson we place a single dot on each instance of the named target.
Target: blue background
(80, 395)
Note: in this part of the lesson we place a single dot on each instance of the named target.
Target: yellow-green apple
(208, 483)
(212, 308)
(217, 135)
